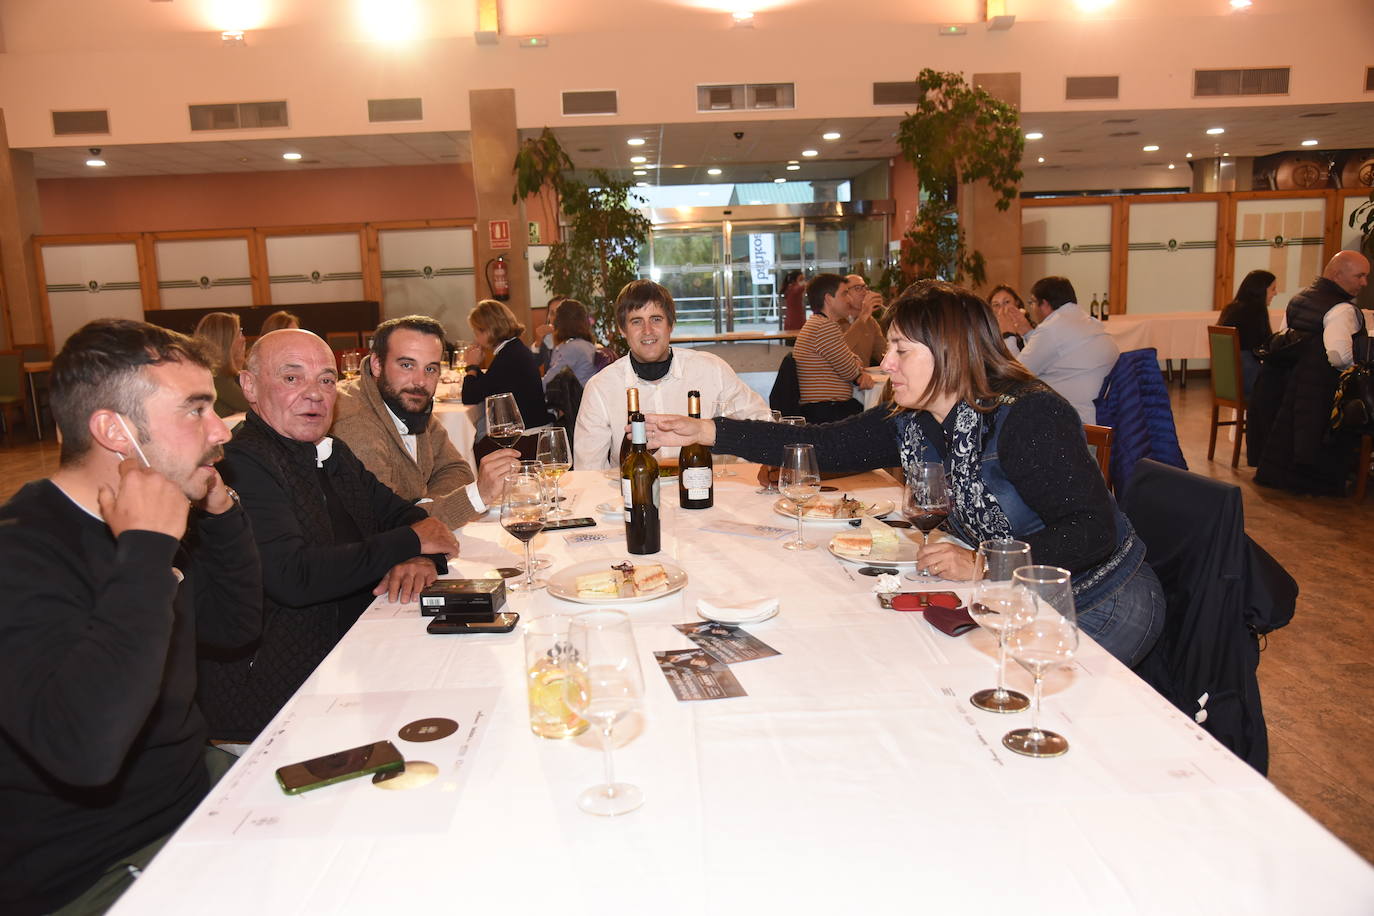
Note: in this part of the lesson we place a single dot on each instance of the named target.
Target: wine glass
(505, 426)
(800, 481)
(771, 488)
(531, 468)
(604, 684)
(554, 453)
(723, 406)
(1048, 640)
(998, 604)
(523, 515)
(925, 501)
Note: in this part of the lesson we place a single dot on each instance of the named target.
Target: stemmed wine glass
(999, 604)
(523, 515)
(1048, 640)
(505, 426)
(800, 481)
(557, 459)
(723, 406)
(532, 468)
(604, 684)
(769, 487)
(925, 501)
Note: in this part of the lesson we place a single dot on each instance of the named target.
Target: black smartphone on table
(442, 625)
(561, 524)
(378, 757)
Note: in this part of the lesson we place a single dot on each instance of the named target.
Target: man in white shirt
(1345, 277)
(1070, 351)
(386, 417)
(646, 315)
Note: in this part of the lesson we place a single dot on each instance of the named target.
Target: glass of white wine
(999, 604)
(800, 481)
(505, 426)
(1050, 639)
(553, 451)
(604, 685)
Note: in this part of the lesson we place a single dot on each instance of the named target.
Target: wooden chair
(11, 386)
(1228, 387)
(1100, 438)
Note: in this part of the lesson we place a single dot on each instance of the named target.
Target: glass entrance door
(687, 260)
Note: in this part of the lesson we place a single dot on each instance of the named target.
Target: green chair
(1228, 386)
(11, 387)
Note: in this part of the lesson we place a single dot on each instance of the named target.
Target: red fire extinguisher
(497, 279)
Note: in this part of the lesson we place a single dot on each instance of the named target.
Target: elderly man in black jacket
(330, 534)
(108, 587)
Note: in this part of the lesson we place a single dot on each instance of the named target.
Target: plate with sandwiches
(875, 544)
(835, 511)
(613, 581)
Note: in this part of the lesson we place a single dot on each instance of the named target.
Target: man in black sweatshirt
(108, 587)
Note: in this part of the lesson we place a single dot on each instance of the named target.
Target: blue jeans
(1127, 622)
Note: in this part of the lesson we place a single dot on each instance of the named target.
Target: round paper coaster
(416, 774)
(428, 729)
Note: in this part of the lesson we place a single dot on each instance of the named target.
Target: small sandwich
(820, 509)
(856, 543)
(599, 585)
(649, 578)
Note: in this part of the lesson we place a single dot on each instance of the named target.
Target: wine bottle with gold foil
(631, 408)
(639, 491)
(696, 479)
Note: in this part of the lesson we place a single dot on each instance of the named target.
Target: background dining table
(855, 776)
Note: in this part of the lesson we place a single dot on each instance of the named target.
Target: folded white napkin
(745, 610)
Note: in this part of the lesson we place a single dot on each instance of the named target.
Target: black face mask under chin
(652, 372)
(415, 420)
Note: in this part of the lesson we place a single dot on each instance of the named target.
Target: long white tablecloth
(854, 778)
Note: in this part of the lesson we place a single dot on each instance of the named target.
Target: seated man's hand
(672, 430)
(434, 538)
(865, 381)
(492, 473)
(217, 500)
(404, 581)
(146, 501)
(873, 301)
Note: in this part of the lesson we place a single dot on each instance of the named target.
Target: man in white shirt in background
(1069, 350)
(386, 416)
(646, 314)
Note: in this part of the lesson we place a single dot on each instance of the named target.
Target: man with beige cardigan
(386, 417)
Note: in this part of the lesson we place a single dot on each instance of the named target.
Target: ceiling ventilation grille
(395, 110)
(1092, 87)
(896, 93)
(746, 96)
(590, 102)
(238, 116)
(1258, 81)
(67, 123)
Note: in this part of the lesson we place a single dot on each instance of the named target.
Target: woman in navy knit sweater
(513, 367)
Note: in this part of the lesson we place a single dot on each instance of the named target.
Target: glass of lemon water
(546, 665)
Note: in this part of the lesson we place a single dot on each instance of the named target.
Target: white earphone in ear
(133, 440)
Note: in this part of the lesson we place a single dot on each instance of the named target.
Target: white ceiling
(1082, 140)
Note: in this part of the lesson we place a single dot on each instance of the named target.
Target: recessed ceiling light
(641, 184)
(96, 163)
(1216, 130)
(1035, 135)
(1152, 148)
(810, 152)
(1225, 155)
(679, 165)
(1309, 142)
(792, 161)
(1187, 155)
(779, 181)
(1239, 4)
(635, 141)
(291, 156)
(640, 172)
(638, 160)
(1040, 159)
(831, 135)
(713, 171)
(1171, 165)
(794, 168)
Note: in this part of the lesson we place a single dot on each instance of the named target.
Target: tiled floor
(1317, 674)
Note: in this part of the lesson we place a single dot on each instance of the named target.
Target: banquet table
(459, 422)
(855, 777)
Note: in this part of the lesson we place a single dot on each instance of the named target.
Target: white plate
(610, 511)
(906, 553)
(875, 508)
(563, 584)
(722, 615)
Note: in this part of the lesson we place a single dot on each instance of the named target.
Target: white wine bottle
(1106, 309)
(1092, 309)
(631, 408)
(695, 479)
(639, 491)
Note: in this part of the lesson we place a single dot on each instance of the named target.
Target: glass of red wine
(523, 514)
(925, 498)
(505, 426)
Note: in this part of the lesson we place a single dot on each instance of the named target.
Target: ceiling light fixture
(96, 163)
(779, 181)
(291, 156)
(1171, 165)
(1040, 159)
(1216, 130)
(1239, 4)
(679, 165)
(1310, 142)
(640, 172)
(638, 160)
(1035, 135)
(794, 168)
(635, 141)
(831, 135)
(1152, 148)
(713, 171)
(641, 184)
(1187, 155)
(233, 39)
(810, 152)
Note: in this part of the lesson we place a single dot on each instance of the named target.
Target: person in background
(1012, 318)
(331, 536)
(224, 335)
(1014, 455)
(793, 300)
(1068, 350)
(862, 332)
(646, 314)
(278, 321)
(513, 367)
(574, 345)
(542, 319)
(386, 416)
(1248, 313)
(113, 570)
(827, 370)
